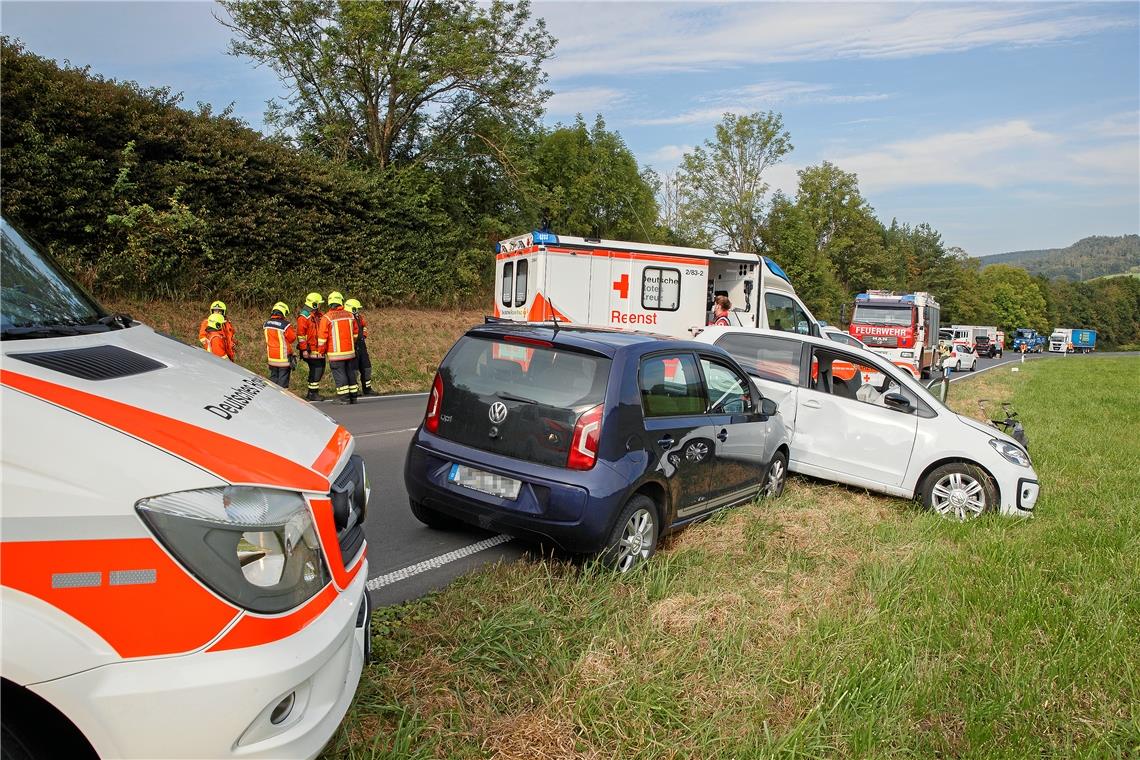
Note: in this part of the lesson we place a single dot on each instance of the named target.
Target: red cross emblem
(622, 286)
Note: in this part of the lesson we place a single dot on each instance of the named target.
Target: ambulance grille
(94, 363)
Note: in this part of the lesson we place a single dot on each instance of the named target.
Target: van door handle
(722, 436)
(666, 442)
(812, 404)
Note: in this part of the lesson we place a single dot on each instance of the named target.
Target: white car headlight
(907, 354)
(1010, 452)
(256, 547)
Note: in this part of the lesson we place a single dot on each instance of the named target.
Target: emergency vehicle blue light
(774, 268)
(498, 247)
(862, 297)
(907, 299)
(544, 238)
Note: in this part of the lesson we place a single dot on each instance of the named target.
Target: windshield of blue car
(36, 298)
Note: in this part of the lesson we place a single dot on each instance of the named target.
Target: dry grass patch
(682, 613)
(541, 734)
(405, 345)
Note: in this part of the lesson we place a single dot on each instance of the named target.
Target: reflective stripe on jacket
(216, 344)
(337, 335)
(308, 323)
(279, 338)
(228, 334)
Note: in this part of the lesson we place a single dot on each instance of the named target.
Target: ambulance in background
(901, 327)
(663, 289)
(183, 560)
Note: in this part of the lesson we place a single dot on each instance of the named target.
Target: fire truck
(664, 289)
(901, 327)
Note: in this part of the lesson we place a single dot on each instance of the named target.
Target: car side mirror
(768, 407)
(897, 401)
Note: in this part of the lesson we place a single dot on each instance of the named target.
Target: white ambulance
(664, 289)
(183, 562)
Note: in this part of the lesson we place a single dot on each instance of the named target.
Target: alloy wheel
(958, 496)
(775, 480)
(636, 540)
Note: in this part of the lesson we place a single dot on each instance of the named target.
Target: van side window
(508, 282)
(660, 289)
(765, 357)
(671, 385)
(520, 282)
(785, 314)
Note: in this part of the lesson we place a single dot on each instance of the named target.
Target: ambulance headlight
(256, 547)
(907, 354)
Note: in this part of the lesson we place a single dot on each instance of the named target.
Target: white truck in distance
(1061, 341)
(664, 289)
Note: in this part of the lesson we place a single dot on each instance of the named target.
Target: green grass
(829, 623)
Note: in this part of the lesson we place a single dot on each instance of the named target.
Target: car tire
(775, 476)
(432, 518)
(959, 491)
(633, 539)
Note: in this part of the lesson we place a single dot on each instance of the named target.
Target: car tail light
(435, 403)
(584, 445)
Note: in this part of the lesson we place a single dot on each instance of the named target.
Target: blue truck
(1084, 341)
(1027, 341)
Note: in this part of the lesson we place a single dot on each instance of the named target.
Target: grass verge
(405, 345)
(829, 623)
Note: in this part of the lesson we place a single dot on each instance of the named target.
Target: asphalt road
(407, 559)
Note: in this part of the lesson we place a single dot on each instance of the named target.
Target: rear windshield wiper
(512, 397)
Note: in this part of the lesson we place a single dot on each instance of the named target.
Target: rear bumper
(576, 515)
(218, 704)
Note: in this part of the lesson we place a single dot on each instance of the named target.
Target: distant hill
(1085, 259)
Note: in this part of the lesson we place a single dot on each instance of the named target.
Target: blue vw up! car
(599, 441)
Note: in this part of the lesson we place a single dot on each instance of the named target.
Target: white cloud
(668, 155)
(584, 100)
(1001, 155)
(625, 38)
(759, 96)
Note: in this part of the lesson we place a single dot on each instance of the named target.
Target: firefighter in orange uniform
(215, 336)
(336, 340)
(279, 339)
(228, 332)
(363, 363)
(308, 323)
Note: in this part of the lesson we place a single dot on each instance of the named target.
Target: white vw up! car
(856, 419)
(183, 561)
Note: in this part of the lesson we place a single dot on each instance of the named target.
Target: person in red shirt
(215, 338)
(228, 331)
(336, 340)
(721, 308)
(279, 339)
(308, 322)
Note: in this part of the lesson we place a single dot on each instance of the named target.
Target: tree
(790, 240)
(1015, 298)
(389, 81)
(722, 188)
(845, 228)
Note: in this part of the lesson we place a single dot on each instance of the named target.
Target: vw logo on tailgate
(497, 412)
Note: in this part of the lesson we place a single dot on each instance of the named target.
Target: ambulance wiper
(37, 331)
(512, 397)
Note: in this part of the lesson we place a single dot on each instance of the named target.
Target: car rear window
(542, 390)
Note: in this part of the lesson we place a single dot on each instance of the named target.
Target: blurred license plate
(484, 482)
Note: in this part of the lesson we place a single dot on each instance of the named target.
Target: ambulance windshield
(38, 300)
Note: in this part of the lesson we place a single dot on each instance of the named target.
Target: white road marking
(435, 563)
(1006, 363)
(384, 432)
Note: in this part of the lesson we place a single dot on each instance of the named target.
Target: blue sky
(1005, 126)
